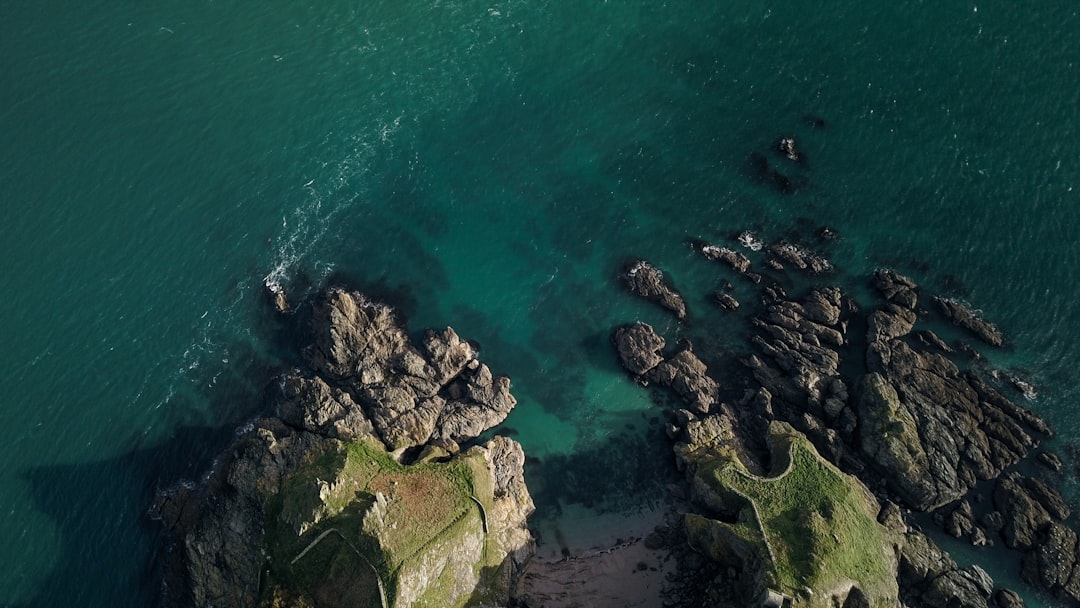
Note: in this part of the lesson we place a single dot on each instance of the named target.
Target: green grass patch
(816, 525)
(409, 511)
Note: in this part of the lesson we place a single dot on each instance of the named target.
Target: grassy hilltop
(807, 530)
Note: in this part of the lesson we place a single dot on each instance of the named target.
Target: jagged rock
(968, 587)
(896, 288)
(890, 439)
(1007, 598)
(823, 305)
(966, 430)
(447, 354)
(786, 146)
(1050, 461)
(647, 281)
(356, 340)
(891, 517)
(726, 301)
(891, 322)
(1048, 497)
(960, 522)
(738, 262)
(1052, 561)
(802, 259)
(276, 294)
(311, 404)
(929, 338)
(1022, 514)
(962, 316)
(931, 578)
(688, 376)
(639, 347)
(478, 402)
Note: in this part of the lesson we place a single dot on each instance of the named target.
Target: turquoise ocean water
(488, 165)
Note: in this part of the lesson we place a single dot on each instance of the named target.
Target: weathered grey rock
(447, 354)
(896, 288)
(800, 258)
(962, 316)
(960, 522)
(738, 262)
(477, 402)
(1051, 461)
(1052, 561)
(1007, 598)
(929, 577)
(356, 340)
(823, 305)
(688, 376)
(890, 440)
(311, 404)
(639, 348)
(647, 281)
(966, 430)
(726, 301)
(1023, 516)
(891, 322)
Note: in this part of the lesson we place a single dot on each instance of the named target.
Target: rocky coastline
(813, 463)
(356, 491)
(921, 425)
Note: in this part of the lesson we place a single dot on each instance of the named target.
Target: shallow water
(489, 166)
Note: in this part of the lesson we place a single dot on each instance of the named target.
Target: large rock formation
(891, 405)
(310, 508)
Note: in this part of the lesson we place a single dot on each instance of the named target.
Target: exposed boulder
(800, 258)
(929, 577)
(688, 376)
(311, 404)
(736, 260)
(896, 288)
(962, 316)
(639, 347)
(647, 281)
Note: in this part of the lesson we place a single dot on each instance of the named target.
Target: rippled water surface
(488, 166)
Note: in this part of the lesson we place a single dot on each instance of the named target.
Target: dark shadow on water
(111, 554)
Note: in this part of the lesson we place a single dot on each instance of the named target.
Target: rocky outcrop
(962, 316)
(737, 261)
(316, 484)
(891, 405)
(411, 395)
(640, 352)
(930, 429)
(929, 577)
(800, 258)
(639, 347)
(647, 281)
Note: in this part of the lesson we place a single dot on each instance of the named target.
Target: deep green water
(488, 166)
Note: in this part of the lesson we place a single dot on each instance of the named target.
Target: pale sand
(599, 571)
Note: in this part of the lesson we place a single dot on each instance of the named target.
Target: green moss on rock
(353, 525)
